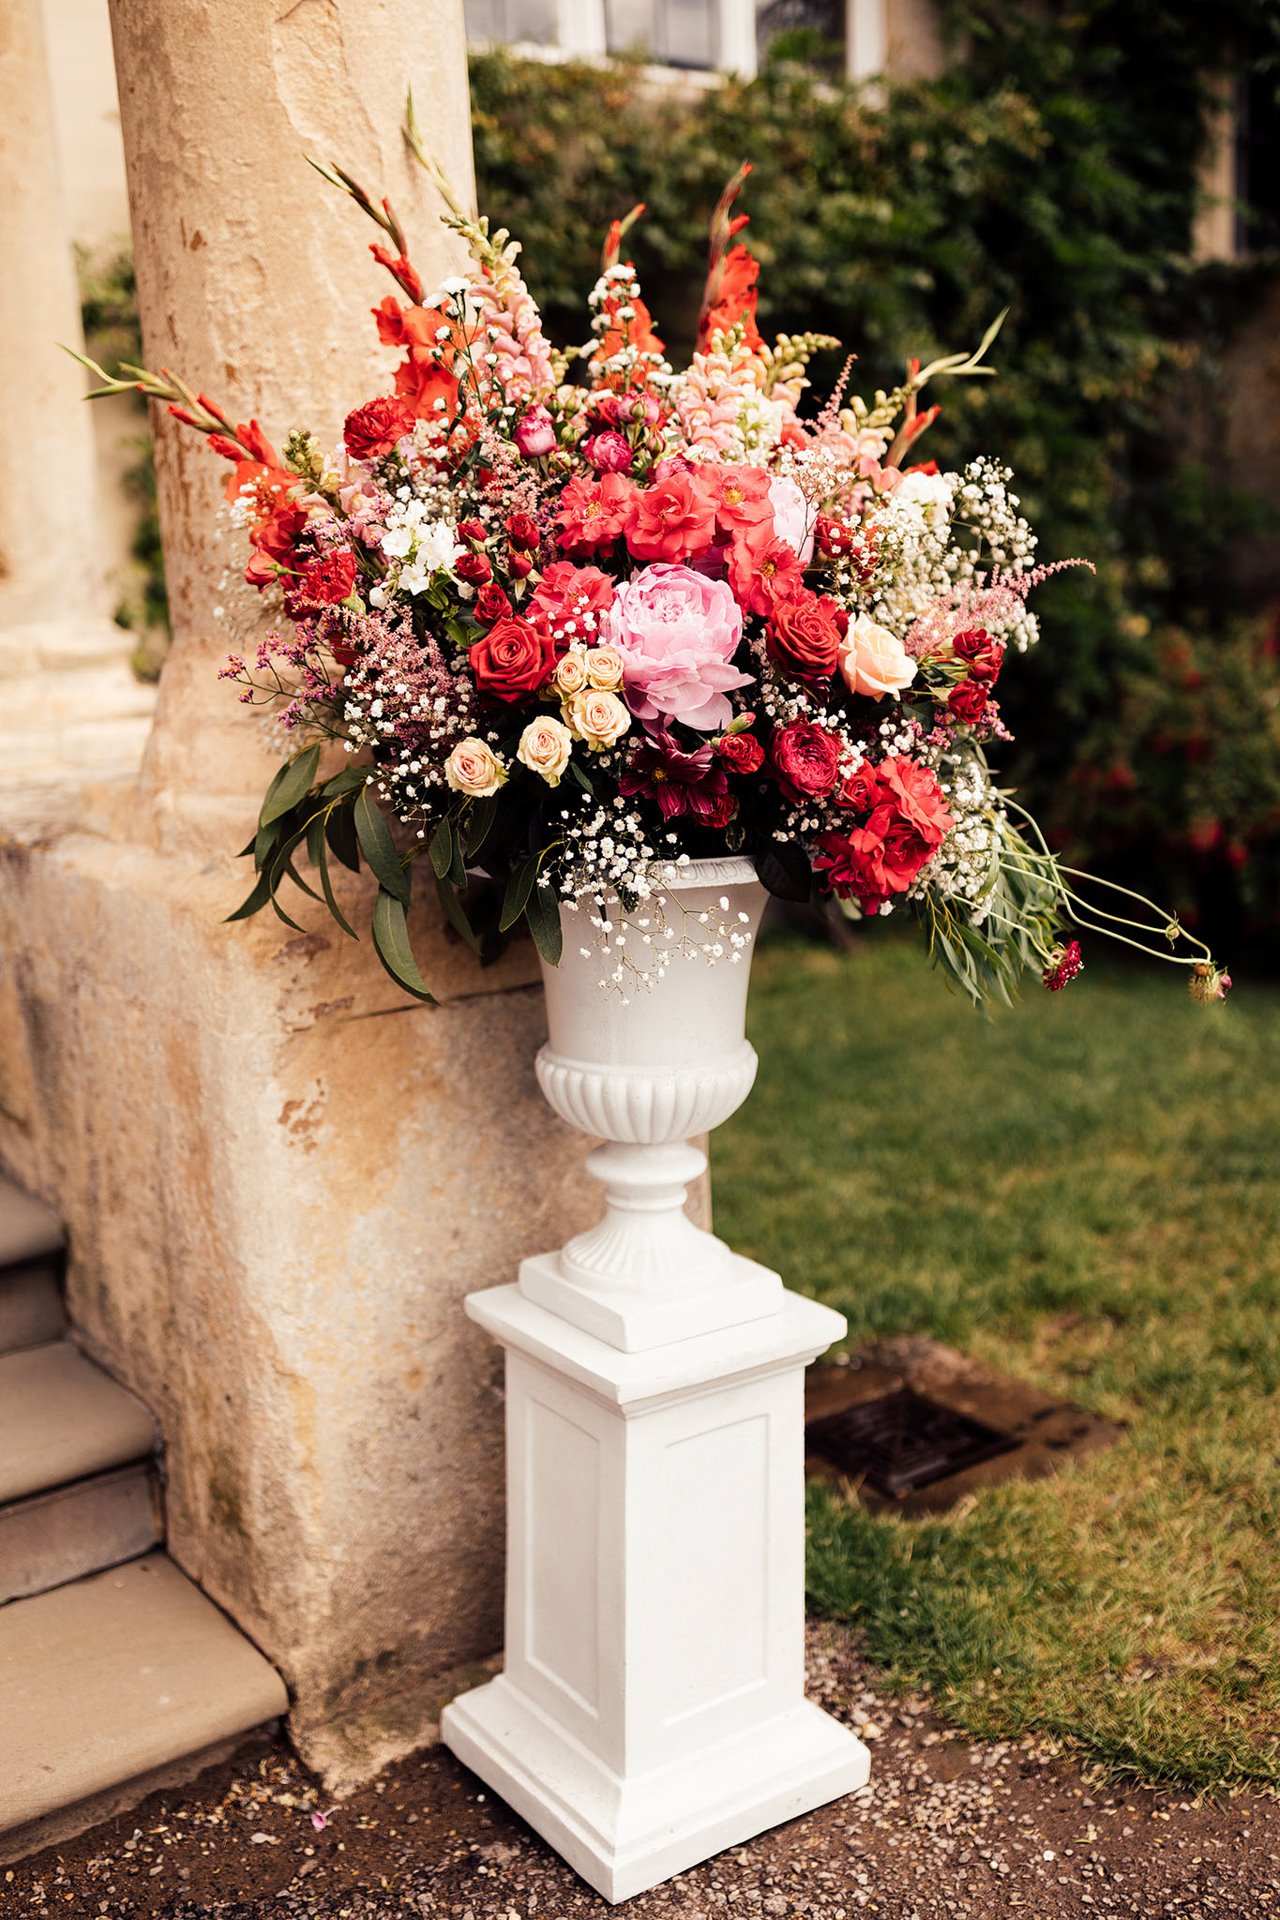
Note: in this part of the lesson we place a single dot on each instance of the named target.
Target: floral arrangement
(561, 618)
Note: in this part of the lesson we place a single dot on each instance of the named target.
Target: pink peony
(677, 633)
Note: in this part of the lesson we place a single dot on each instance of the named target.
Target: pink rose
(793, 519)
(607, 452)
(677, 633)
(536, 433)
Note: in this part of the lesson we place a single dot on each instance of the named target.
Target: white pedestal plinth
(652, 1709)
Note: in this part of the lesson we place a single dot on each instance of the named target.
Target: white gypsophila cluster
(966, 867)
(619, 882)
(416, 543)
(918, 565)
(1002, 540)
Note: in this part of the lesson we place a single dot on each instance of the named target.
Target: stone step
(63, 1419)
(30, 1305)
(80, 1529)
(112, 1686)
(29, 1230)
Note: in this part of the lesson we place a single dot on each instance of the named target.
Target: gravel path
(948, 1827)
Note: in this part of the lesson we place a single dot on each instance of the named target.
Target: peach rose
(874, 661)
(598, 717)
(474, 769)
(605, 668)
(570, 676)
(545, 746)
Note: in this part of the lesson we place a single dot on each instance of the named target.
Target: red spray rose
(741, 753)
(474, 568)
(806, 760)
(983, 656)
(861, 791)
(968, 701)
(608, 452)
(512, 660)
(673, 521)
(593, 512)
(762, 570)
(519, 565)
(804, 636)
(491, 604)
(475, 531)
(523, 531)
(373, 430)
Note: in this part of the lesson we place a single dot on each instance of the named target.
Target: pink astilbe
(997, 605)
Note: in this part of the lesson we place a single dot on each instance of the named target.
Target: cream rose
(474, 769)
(598, 717)
(605, 668)
(570, 676)
(545, 746)
(874, 661)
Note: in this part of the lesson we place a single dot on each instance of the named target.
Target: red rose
(592, 513)
(519, 565)
(806, 760)
(323, 582)
(512, 660)
(983, 655)
(524, 531)
(968, 701)
(741, 753)
(676, 520)
(474, 530)
(916, 797)
(473, 567)
(373, 430)
(491, 604)
(804, 637)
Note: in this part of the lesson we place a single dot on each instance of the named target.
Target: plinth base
(623, 1836)
(633, 1320)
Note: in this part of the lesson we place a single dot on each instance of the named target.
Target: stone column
(279, 1176)
(255, 284)
(50, 558)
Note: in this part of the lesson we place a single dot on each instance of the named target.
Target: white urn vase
(651, 1711)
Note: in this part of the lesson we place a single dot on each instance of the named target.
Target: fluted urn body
(647, 1046)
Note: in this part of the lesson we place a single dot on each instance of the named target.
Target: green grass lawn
(1084, 1193)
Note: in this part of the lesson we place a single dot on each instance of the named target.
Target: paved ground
(947, 1828)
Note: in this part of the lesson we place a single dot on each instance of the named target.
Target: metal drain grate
(903, 1441)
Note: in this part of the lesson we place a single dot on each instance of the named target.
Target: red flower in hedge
(804, 635)
(374, 429)
(512, 660)
(806, 760)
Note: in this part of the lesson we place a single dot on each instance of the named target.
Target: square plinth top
(797, 1333)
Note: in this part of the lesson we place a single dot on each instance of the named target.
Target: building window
(534, 22)
(689, 34)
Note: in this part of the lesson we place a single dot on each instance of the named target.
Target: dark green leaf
(318, 854)
(479, 823)
(517, 893)
(256, 901)
(441, 849)
(289, 786)
(378, 848)
(582, 777)
(391, 939)
(784, 870)
(455, 913)
(344, 782)
(542, 911)
(340, 832)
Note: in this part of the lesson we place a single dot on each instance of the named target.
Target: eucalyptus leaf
(291, 784)
(318, 854)
(517, 893)
(378, 848)
(340, 832)
(784, 870)
(542, 911)
(441, 849)
(480, 823)
(391, 940)
(455, 913)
